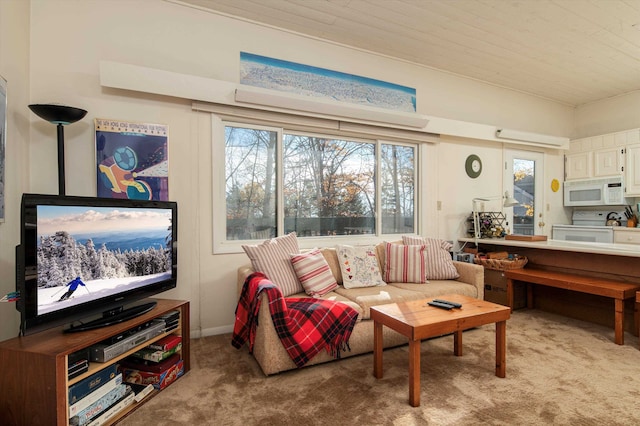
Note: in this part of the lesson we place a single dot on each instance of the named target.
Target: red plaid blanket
(305, 325)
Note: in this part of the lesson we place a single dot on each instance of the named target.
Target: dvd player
(103, 352)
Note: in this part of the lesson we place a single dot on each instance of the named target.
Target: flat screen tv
(86, 262)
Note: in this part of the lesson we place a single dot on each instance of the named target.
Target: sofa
(273, 358)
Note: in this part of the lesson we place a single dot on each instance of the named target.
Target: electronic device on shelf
(121, 250)
(107, 350)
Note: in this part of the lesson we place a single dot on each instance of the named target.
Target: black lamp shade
(58, 114)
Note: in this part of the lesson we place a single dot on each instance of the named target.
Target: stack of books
(99, 397)
(162, 349)
(158, 364)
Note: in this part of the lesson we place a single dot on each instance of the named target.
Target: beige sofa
(272, 356)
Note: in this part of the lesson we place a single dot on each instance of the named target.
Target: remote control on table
(440, 305)
(454, 304)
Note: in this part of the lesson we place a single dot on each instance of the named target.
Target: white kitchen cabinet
(607, 162)
(578, 165)
(632, 171)
(626, 236)
(629, 137)
(606, 155)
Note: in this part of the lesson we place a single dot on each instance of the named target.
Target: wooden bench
(637, 318)
(619, 291)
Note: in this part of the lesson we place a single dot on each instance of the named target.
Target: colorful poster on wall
(292, 77)
(131, 159)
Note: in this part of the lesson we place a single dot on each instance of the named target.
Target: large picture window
(279, 181)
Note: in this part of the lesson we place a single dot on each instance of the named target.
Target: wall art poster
(292, 77)
(132, 160)
(3, 141)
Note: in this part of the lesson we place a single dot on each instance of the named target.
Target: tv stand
(33, 376)
(113, 316)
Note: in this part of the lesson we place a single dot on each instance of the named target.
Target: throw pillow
(359, 266)
(272, 257)
(439, 263)
(405, 263)
(313, 273)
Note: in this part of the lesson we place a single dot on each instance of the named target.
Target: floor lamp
(60, 115)
(508, 201)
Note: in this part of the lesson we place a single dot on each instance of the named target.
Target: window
(329, 186)
(398, 175)
(279, 181)
(250, 180)
(524, 181)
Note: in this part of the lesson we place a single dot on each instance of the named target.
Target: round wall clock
(473, 166)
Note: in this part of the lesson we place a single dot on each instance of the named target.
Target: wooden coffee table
(417, 321)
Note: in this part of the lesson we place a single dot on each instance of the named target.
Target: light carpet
(560, 371)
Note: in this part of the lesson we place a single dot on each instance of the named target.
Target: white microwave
(594, 192)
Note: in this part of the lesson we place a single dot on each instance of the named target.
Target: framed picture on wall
(131, 160)
(3, 141)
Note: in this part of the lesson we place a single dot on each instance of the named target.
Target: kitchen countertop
(630, 250)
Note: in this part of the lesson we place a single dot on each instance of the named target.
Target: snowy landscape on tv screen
(110, 249)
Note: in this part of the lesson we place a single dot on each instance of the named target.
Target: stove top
(596, 217)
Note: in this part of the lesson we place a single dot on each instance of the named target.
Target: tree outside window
(329, 185)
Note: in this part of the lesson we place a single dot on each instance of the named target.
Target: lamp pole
(61, 175)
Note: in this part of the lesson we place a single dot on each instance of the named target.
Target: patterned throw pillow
(359, 266)
(272, 257)
(405, 263)
(439, 263)
(313, 273)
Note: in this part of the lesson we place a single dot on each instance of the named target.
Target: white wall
(69, 38)
(14, 67)
(608, 115)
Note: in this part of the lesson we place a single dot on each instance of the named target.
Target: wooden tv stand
(33, 368)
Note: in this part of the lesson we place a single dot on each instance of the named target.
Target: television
(86, 262)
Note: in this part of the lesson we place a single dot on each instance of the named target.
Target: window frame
(218, 124)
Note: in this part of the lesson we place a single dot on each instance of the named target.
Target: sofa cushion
(313, 272)
(405, 263)
(339, 298)
(439, 263)
(272, 257)
(437, 288)
(359, 266)
(332, 295)
(367, 297)
(331, 256)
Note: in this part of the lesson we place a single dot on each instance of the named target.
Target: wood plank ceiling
(570, 51)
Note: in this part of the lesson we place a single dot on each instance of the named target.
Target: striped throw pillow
(272, 257)
(313, 273)
(438, 258)
(405, 263)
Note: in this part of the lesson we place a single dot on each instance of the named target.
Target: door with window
(524, 172)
